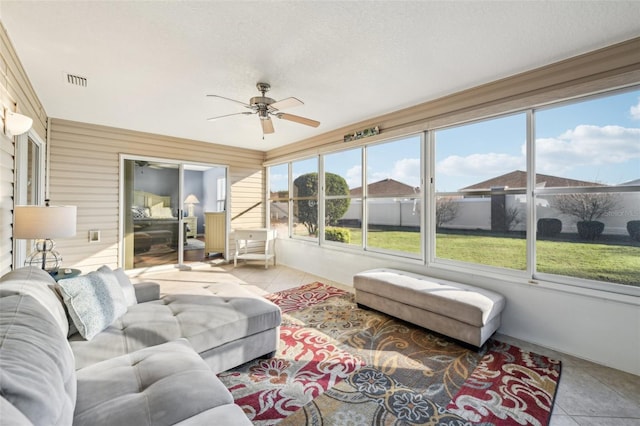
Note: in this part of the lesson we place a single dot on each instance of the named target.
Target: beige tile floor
(589, 394)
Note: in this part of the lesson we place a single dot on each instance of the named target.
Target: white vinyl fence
(475, 213)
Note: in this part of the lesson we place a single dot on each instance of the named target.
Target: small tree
(512, 217)
(586, 206)
(307, 210)
(446, 211)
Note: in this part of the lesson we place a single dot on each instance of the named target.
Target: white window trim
(21, 167)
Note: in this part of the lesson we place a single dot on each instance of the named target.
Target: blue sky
(596, 140)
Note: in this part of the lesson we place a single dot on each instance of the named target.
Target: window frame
(21, 194)
(420, 196)
(292, 200)
(322, 235)
(528, 276)
(458, 264)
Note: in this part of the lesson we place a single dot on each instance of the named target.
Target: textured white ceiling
(150, 64)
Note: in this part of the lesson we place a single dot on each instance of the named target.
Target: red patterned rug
(509, 386)
(339, 364)
(304, 296)
(306, 364)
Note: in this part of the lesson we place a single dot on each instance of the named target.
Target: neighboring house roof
(518, 180)
(386, 187)
(631, 183)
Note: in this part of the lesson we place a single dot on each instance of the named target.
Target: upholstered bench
(464, 312)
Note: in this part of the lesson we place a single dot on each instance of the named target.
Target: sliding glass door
(166, 208)
(152, 216)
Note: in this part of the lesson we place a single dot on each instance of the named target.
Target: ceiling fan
(266, 108)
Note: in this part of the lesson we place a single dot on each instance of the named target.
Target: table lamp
(190, 201)
(42, 223)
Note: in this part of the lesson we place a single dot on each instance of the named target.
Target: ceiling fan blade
(267, 126)
(298, 119)
(229, 115)
(286, 103)
(232, 100)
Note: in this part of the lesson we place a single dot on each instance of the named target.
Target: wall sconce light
(190, 201)
(42, 223)
(15, 123)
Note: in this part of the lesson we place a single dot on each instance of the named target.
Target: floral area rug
(338, 364)
(509, 386)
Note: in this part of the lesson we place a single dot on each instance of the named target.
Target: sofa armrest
(147, 291)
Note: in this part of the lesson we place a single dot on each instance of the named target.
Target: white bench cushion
(461, 311)
(474, 306)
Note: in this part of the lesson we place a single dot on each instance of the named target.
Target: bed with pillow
(154, 221)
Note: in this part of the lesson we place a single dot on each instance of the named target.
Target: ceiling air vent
(76, 80)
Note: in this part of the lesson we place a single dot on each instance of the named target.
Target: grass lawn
(602, 262)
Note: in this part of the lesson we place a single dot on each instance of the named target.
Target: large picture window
(480, 201)
(343, 197)
(394, 196)
(550, 193)
(588, 190)
(305, 198)
(384, 216)
(279, 198)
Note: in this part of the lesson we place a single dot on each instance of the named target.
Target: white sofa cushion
(39, 284)
(142, 389)
(206, 321)
(37, 371)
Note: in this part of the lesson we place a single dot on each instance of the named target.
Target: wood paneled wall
(85, 171)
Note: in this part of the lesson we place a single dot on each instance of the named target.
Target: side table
(242, 238)
(60, 273)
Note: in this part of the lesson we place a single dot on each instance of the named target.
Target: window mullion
(531, 196)
(290, 192)
(365, 208)
(321, 200)
(429, 199)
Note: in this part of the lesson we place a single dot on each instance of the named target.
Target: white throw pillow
(158, 211)
(94, 301)
(125, 284)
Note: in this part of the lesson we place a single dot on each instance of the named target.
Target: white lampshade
(15, 123)
(191, 199)
(41, 222)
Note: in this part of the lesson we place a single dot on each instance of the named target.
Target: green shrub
(633, 228)
(549, 227)
(306, 209)
(342, 235)
(590, 229)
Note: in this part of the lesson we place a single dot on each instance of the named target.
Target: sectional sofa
(155, 364)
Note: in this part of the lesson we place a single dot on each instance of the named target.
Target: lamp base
(45, 257)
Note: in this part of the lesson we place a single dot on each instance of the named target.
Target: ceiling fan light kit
(266, 107)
